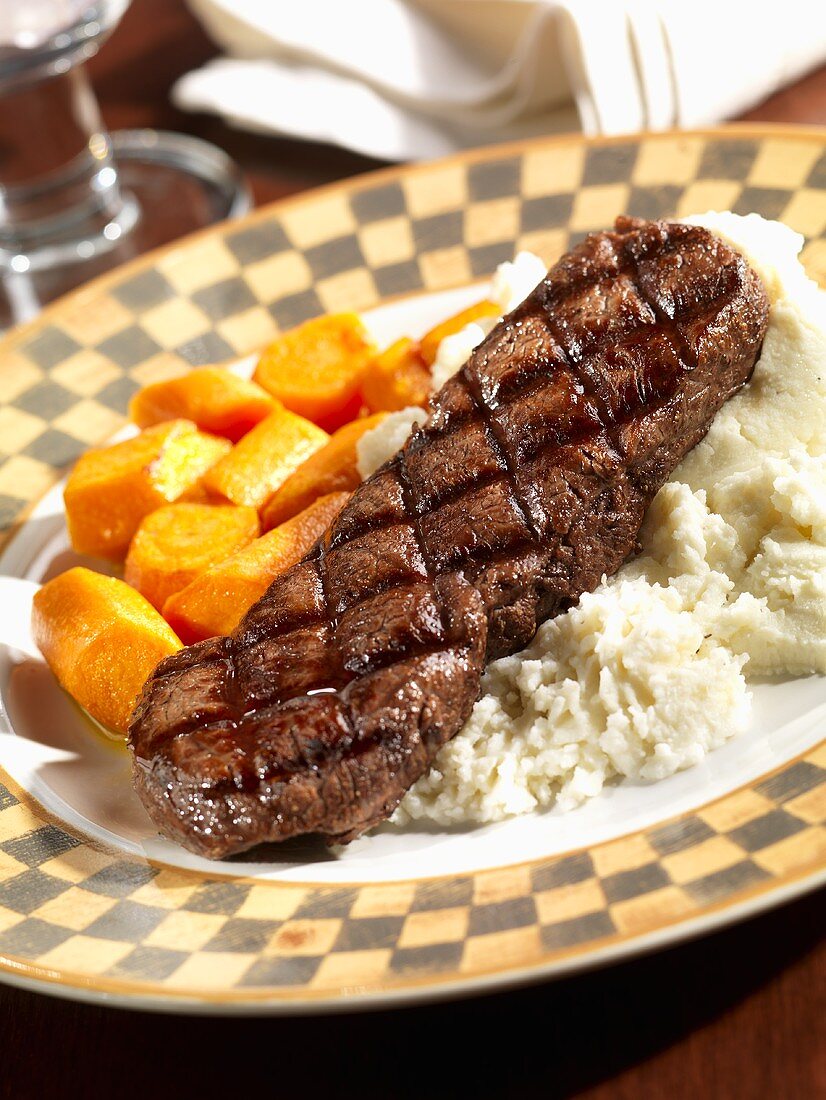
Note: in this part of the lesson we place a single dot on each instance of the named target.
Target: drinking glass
(74, 199)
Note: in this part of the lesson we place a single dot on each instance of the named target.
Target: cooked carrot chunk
(396, 378)
(331, 469)
(316, 369)
(217, 400)
(101, 639)
(262, 461)
(111, 489)
(431, 341)
(216, 601)
(177, 543)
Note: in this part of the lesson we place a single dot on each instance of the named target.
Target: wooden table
(736, 1015)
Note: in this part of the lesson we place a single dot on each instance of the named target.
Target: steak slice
(528, 482)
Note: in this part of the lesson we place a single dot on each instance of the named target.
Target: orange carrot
(316, 369)
(101, 639)
(111, 489)
(216, 601)
(176, 544)
(217, 400)
(331, 469)
(262, 461)
(396, 378)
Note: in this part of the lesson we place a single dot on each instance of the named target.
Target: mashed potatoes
(649, 672)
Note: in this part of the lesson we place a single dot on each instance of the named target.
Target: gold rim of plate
(82, 920)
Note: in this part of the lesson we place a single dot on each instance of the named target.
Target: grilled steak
(528, 482)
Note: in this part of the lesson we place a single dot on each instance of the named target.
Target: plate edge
(378, 176)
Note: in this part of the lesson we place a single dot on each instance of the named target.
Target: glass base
(171, 184)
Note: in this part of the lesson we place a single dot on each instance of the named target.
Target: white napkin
(415, 79)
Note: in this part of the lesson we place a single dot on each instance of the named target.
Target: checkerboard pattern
(65, 379)
(73, 912)
(89, 915)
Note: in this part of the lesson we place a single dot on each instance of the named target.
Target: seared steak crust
(528, 482)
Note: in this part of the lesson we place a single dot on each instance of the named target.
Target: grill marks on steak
(528, 482)
(309, 759)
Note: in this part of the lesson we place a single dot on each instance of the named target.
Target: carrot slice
(262, 461)
(175, 544)
(217, 400)
(331, 469)
(101, 639)
(217, 600)
(111, 489)
(397, 378)
(431, 340)
(316, 368)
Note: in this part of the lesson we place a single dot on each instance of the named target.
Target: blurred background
(126, 125)
(160, 42)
